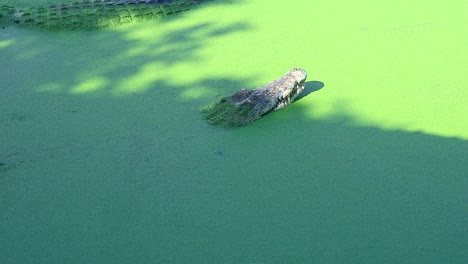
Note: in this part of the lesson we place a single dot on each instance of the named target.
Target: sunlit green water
(105, 158)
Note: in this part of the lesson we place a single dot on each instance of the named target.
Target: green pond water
(105, 157)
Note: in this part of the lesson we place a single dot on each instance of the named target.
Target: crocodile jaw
(290, 97)
(291, 93)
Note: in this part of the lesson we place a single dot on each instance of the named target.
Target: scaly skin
(94, 14)
(246, 106)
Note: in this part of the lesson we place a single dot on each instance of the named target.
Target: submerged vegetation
(94, 14)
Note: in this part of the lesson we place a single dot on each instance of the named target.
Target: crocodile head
(246, 106)
(287, 91)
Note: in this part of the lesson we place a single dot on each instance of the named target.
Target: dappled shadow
(130, 62)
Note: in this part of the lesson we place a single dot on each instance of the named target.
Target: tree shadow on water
(142, 55)
(351, 192)
(327, 189)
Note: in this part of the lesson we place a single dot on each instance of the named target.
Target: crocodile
(93, 14)
(246, 106)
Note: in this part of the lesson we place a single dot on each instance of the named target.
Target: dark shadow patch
(19, 116)
(310, 87)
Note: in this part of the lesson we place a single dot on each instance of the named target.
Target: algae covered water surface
(105, 157)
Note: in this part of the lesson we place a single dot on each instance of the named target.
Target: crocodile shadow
(310, 87)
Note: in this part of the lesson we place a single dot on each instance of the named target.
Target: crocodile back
(94, 14)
